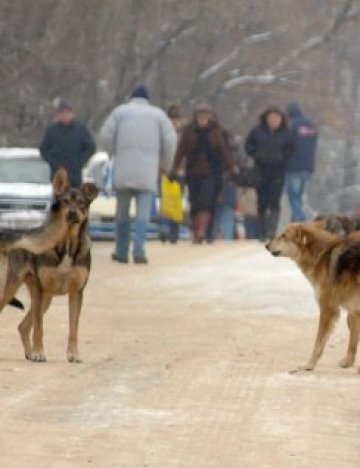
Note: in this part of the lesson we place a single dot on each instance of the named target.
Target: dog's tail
(16, 303)
(348, 261)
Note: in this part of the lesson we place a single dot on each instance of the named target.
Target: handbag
(171, 204)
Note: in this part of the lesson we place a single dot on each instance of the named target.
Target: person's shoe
(141, 260)
(163, 238)
(197, 240)
(115, 258)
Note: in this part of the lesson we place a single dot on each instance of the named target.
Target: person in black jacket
(67, 143)
(302, 163)
(270, 144)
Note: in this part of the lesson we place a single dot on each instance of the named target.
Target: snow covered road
(185, 365)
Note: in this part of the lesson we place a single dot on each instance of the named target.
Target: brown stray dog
(332, 266)
(63, 269)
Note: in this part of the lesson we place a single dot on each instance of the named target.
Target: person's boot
(263, 227)
(195, 227)
(173, 232)
(163, 227)
(273, 221)
(204, 219)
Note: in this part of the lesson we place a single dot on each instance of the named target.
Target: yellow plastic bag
(171, 206)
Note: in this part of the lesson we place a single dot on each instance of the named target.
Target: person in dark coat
(270, 144)
(302, 162)
(67, 143)
(204, 149)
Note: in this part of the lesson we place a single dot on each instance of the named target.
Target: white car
(25, 188)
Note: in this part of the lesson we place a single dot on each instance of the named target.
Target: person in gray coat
(141, 141)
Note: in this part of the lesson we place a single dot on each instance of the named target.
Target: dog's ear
(90, 191)
(60, 181)
(303, 236)
(334, 224)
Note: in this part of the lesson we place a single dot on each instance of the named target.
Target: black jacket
(69, 146)
(270, 150)
(305, 140)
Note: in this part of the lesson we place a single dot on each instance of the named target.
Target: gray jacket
(141, 140)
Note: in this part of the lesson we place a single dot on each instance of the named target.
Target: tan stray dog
(332, 266)
(62, 269)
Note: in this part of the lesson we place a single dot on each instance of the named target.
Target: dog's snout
(73, 216)
(272, 249)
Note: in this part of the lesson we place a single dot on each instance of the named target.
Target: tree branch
(264, 79)
(165, 43)
(346, 12)
(253, 39)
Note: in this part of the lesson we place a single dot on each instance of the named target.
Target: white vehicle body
(25, 188)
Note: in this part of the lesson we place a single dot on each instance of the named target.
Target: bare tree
(239, 55)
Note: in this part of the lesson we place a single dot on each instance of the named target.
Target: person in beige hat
(204, 149)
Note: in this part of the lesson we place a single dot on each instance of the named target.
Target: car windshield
(24, 170)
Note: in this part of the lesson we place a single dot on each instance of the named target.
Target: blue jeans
(143, 200)
(295, 187)
(224, 221)
(252, 228)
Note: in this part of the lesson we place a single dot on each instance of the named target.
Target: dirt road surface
(185, 365)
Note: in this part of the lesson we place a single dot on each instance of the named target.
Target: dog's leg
(353, 321)
(75, 303)
(39, 304)
(328, 316)
(25, 328)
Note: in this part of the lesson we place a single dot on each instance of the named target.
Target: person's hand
(172, 176)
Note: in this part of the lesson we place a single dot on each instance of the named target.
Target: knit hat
(140, 92)
(64, 105)
(293, 110)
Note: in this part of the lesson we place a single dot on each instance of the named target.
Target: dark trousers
(169, 230)
(203, 194)
(268, 204)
